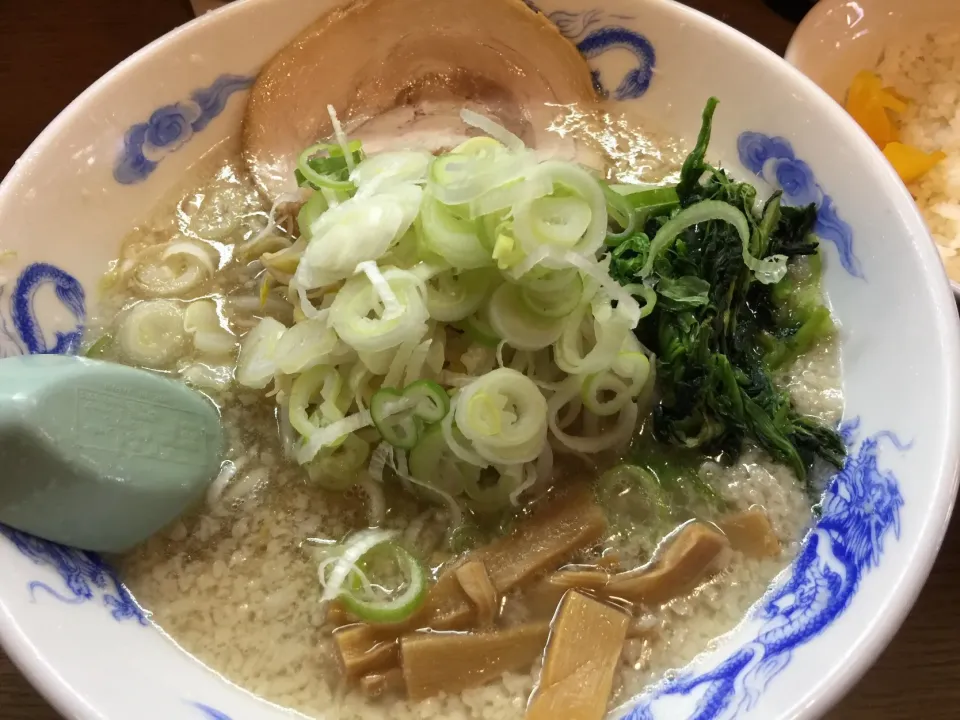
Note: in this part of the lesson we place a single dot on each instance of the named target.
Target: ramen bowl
(77, 634)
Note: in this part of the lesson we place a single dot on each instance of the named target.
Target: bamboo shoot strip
(452, 662)
(689, 559)
(750, 532)
(582, 655)
(476, 584)
(379, 684)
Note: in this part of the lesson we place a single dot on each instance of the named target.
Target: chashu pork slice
(398, 73)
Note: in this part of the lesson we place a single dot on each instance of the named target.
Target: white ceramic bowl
(102, 164)
(839, 38)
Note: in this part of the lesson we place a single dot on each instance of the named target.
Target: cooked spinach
(717, 331)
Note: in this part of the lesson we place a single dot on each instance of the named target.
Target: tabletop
(52, 50)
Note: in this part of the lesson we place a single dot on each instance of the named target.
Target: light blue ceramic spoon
(98, 455)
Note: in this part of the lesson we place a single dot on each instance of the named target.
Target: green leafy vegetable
(728, 314)
(687, 290)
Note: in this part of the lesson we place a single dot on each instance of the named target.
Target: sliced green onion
(182, 266)
(455, 239)
(506, 196)
(346, 151)
(517, 324)
(556, 294)
(608, 333)
(560, 220)
(396, 609)
(309, 343)
(324, 380)
(633, 365)
(377, 362)
(477, 327)
(342, 576)
(575, 218)
(649, 202)
(434, 464)
(398, 365)
(360, 319)
(493, 129)
(621, 213)
(340, 468)
(359, 230)
(346, 562)
(310, 212)
(211, 337)
(453, 295)
(597, 385)
(618, 435)
(390, 168)
(257, 363)
(402, 471)
(392, 416)
(330, 435)
(99, 348)
(431, 401)
(151, 333)
(320, 174)
(456, 441)
(399, 416)
(474, 169)
(418, 360)
(503, 415)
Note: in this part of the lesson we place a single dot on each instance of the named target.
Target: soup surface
(235, 583)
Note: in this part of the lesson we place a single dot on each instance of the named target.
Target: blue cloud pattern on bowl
(170, 126)
(860, 509)
(773, 159)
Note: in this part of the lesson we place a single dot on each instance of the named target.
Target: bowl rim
(890, 615)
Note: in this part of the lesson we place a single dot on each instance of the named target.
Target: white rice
(926, 69)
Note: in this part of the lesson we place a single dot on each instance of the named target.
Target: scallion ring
(432, 401)
(389, 610)
(392, 417)
(400, 415)
(320, 174)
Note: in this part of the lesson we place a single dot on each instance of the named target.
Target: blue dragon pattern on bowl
(861, 509)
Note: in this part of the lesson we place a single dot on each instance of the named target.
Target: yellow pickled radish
(866, 104)
(911, 163)
(892, 100)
